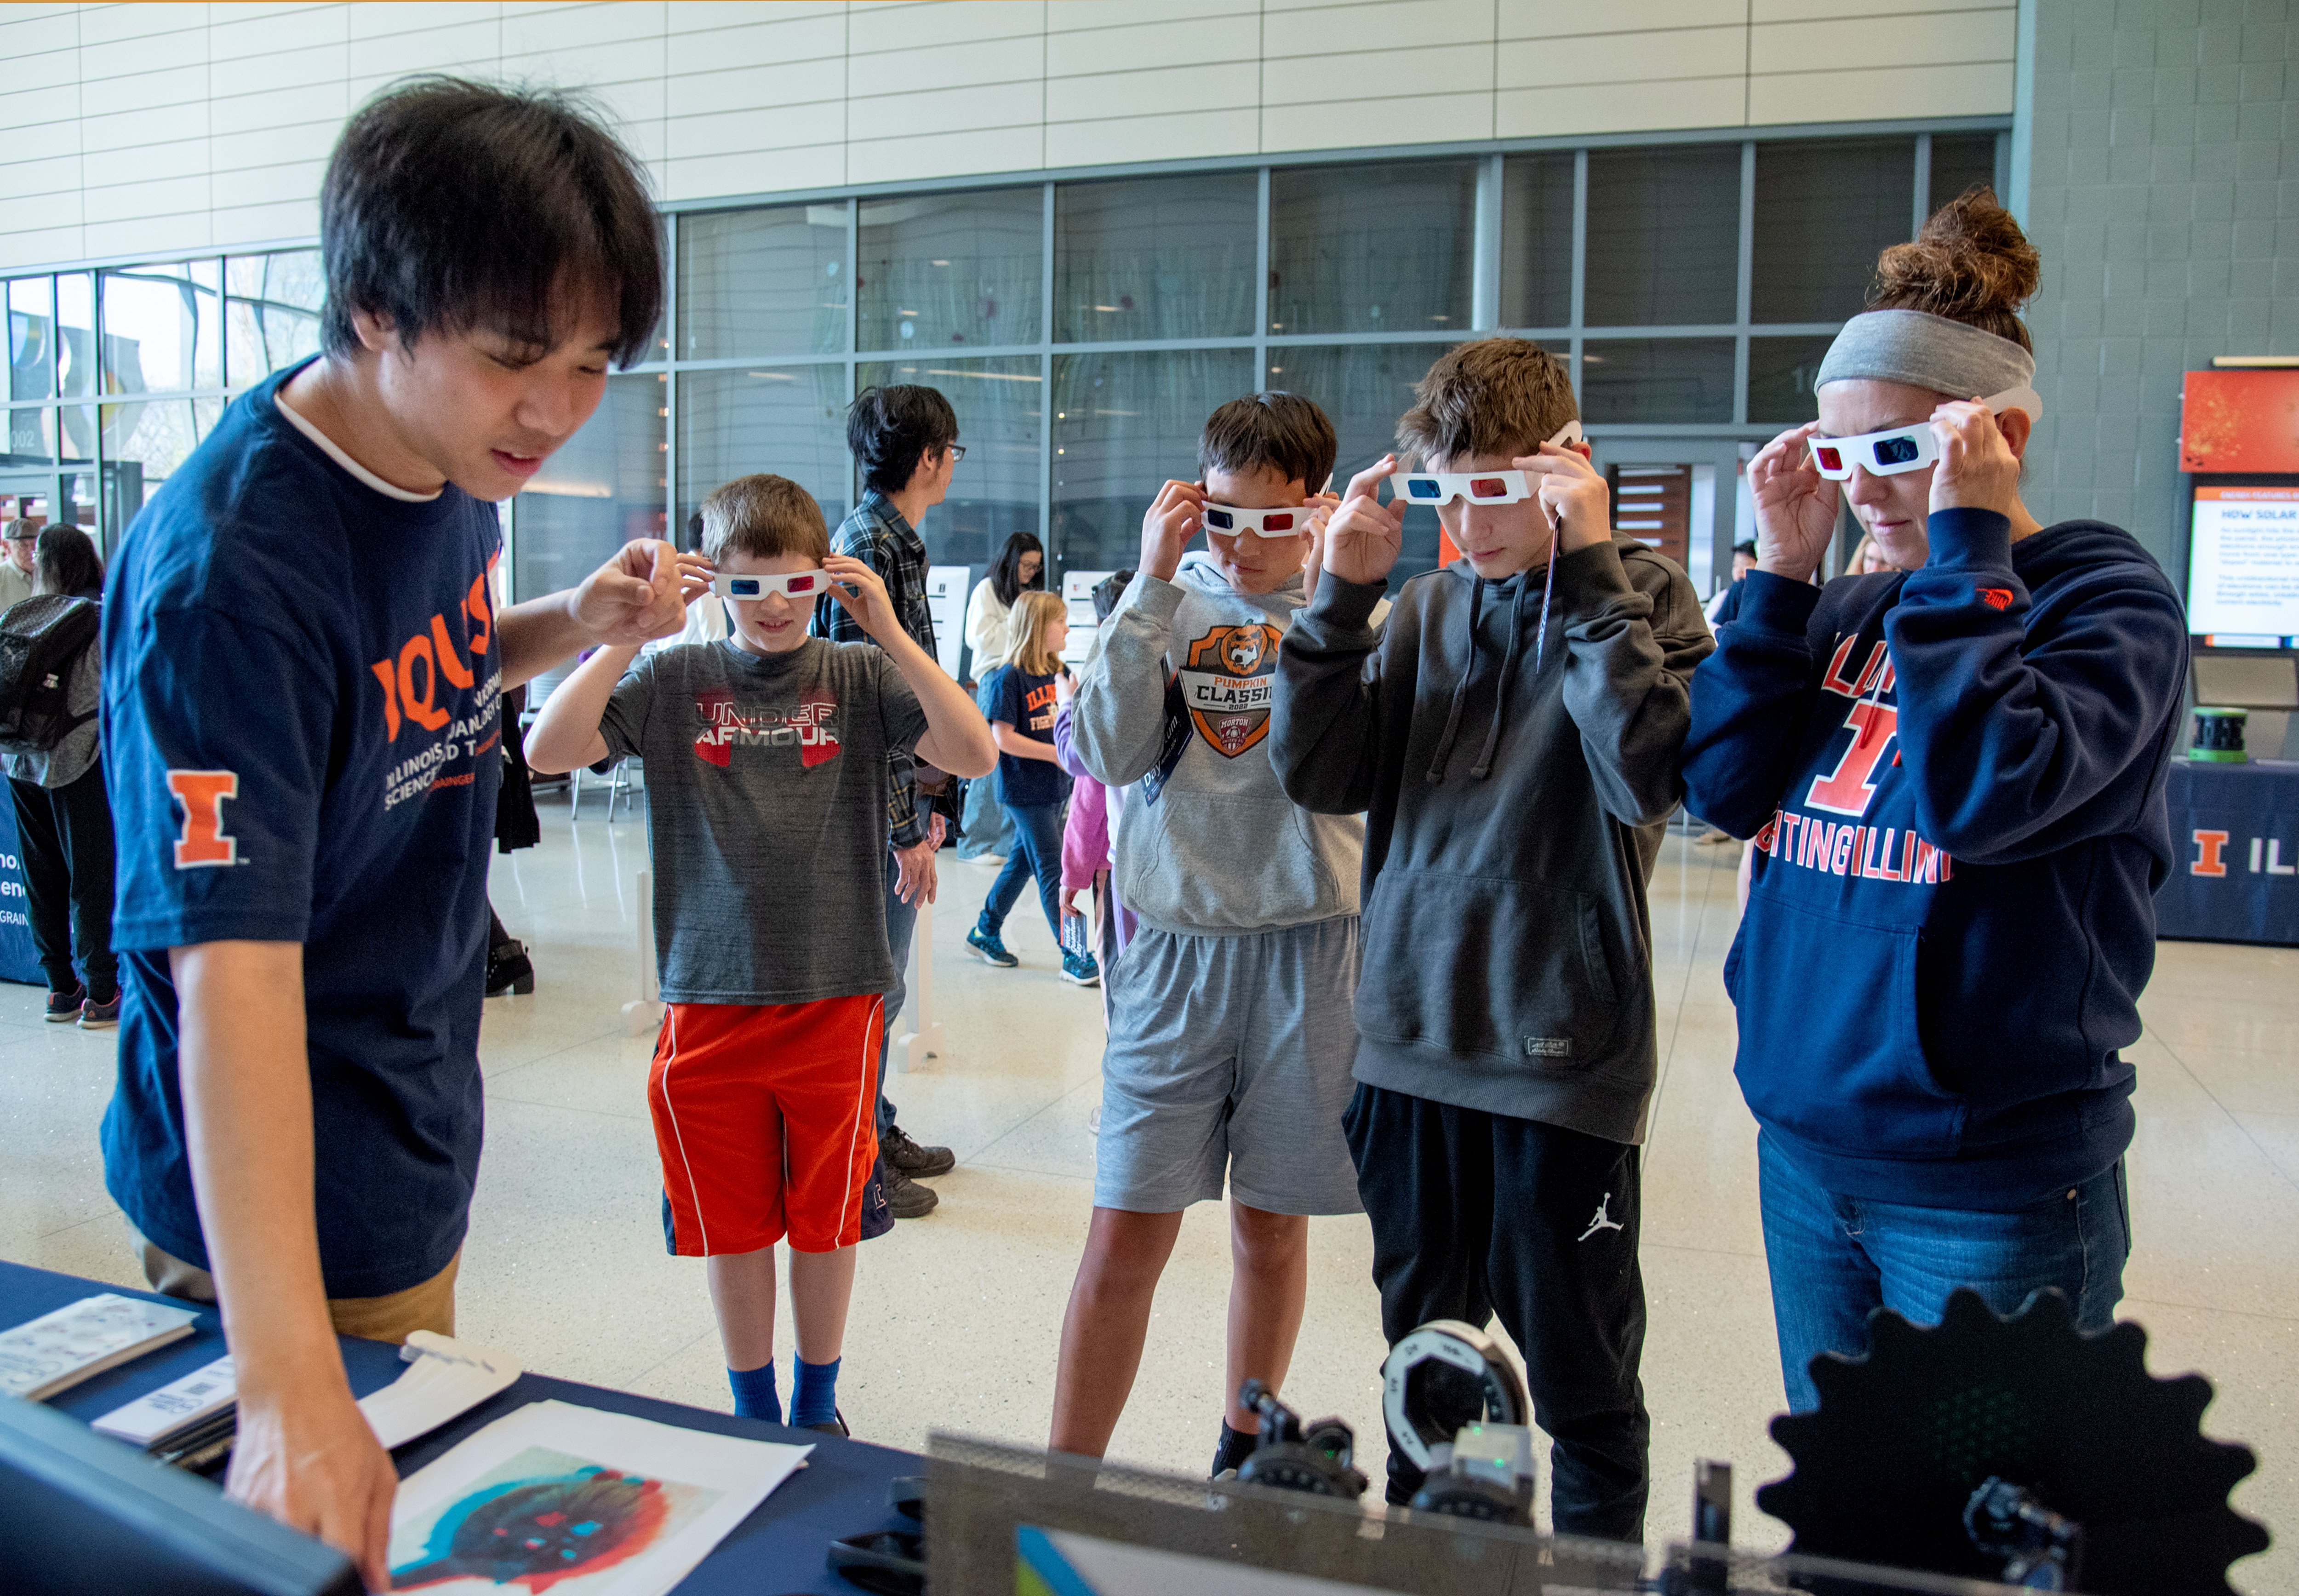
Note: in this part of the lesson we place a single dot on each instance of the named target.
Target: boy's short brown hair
(1494, 396)
(1283, 431)
(764, 517)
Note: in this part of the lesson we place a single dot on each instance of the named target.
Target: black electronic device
(890, 1563)
(1989, 1445)
(1292, 1456)
(83, 1514)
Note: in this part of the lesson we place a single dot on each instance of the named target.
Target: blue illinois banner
(2235, 828)
(18, 959)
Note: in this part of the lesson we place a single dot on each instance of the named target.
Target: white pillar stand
(643, 1013)
(926, 1038)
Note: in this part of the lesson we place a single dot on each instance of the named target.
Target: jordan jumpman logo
(1601, 1222)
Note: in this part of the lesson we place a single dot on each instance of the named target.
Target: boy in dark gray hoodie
(1513, 730)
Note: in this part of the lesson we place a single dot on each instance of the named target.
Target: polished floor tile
(957, 1316)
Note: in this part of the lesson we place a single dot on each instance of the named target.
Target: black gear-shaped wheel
(1902, 1436)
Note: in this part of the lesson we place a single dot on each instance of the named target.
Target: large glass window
(1959, 162)
(1824, 210)
(271, 312)
(1664, 235)
(31, 338)
(1667, 381)
(163, 327)
(1123, 424)
(951, 269)
(76, 334)
(994, 492)
(603, 489)
(763, 282)
(1781, 376)
(145, 441)
(1537, 240)
(1372, 249)
(1364, 388)
(1154, 258)
(786, 421)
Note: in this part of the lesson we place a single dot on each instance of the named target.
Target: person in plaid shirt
(905, 438)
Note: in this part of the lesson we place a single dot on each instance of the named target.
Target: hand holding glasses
(1478, 487)
(1898, 449)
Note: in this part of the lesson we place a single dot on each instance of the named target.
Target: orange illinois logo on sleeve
(203, 840)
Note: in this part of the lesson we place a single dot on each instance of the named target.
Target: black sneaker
(63, 1007)
(510, 970)
(914, 1160)
(906, 1198)
(100, 1017)
(836, 1426)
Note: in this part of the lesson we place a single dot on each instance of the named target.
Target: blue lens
(744, 587)
(1422, 488)
(1221, 518)
(1895, 451)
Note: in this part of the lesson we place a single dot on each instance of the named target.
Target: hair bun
(1971, 263)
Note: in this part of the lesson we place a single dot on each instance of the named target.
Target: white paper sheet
(598, 1504)
(447, 1379)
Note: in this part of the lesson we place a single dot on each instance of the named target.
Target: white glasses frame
(1280, 520)
(810, 585)
(1477, 487)
(1897, 450)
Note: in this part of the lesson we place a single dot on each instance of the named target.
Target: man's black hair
(450, 205)
(890, 430)
(1282, 431)
(1108, 591)
(1006, 570)
(1747, 548)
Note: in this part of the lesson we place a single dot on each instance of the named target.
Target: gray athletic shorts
(1230, 1055)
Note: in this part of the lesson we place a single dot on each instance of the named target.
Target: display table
(780, 1548)
(2235, 832)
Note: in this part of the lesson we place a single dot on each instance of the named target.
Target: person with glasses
(904, 439)
(16, 570)
(1952, 772)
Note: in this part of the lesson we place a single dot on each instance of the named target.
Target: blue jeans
(1037, 851)
(1835, 1259)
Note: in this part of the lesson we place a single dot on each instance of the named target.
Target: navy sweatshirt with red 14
(1954, 780)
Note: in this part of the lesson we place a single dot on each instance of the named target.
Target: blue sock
(814, 1393)
(754, 1392)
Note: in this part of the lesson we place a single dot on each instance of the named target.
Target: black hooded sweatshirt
(1516, 788)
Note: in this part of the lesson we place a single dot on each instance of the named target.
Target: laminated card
(577, 1502)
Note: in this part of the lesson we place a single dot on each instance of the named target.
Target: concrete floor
(956, 1316)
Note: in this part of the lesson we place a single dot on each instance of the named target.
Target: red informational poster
(2240, 421)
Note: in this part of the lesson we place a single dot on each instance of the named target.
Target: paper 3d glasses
(1478, 487)
(800, 585)
(1289, 522)
(1899, 449)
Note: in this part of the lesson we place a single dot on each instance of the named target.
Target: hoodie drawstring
(1461, 688)
(1484, 765)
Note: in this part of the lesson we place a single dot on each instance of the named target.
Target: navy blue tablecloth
(779, 1549)
(2235, 828)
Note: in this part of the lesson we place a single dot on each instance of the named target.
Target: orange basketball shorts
(765, 1117)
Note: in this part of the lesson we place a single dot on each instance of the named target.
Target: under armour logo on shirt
(1602, 1221)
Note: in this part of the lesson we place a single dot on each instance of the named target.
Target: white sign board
(946, 603)
(1077, 594)
(2243, 566)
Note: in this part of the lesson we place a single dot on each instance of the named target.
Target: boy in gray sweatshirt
(1230, 1033)
(1513, 732)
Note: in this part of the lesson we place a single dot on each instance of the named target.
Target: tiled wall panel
(187, 119)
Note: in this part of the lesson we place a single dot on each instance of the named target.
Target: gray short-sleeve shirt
(767, 783)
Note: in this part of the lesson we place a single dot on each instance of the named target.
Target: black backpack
(41, 639)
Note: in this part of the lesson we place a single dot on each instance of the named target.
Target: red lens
(1277, 523)
(1488, 487)
(1829, 460)
(798, 584)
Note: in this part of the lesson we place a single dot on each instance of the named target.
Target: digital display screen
(2243, 567)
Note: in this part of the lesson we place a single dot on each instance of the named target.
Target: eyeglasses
(1289, 522)
(805, 584)
(956, 452)
(1478, 487)
(1898, 449)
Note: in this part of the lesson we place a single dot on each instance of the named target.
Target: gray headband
(1926, 351)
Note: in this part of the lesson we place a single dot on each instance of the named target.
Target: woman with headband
(1953, 772)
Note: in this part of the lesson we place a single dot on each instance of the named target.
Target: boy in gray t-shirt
(766, 757)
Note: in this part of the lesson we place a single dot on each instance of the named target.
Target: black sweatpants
(64, 834)
(1475, 1213)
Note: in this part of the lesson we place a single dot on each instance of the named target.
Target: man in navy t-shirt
(304, 665)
